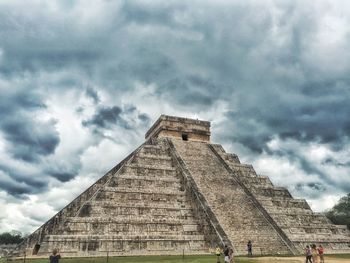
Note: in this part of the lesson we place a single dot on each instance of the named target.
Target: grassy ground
(144, 259)
(187, 259)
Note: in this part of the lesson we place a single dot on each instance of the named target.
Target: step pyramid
(179, 193)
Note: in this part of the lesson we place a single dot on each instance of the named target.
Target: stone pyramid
(179, 193)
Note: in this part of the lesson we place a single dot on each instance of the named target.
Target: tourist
(321, 253)
(231, 255)
(218, 253)
(308, 254)
(250, 248)
(314, 253)
(54, 258)
(226, 254)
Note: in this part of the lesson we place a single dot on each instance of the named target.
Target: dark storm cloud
(105, 117)
(20, 182)
(30, 140)
(90, 92)
(63, 176)
(148, 13)
(311, 190)
(333, 162)
(15, 189)
(112, 117)
(102, 56)
(64, 169)
(307, 119)
(29, 60)
(191, 91)
(144, 118)
(27, 139)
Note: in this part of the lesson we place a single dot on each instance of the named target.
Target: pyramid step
(148, 178)
(271, 191)
(327, 227)
(256, 181)
(311, 229)
(174, 236)
(152, 157)
(152, 160)
(279, 202)
(243, 169)
(128, 214)
(126, 229)
(320, 238)
(88, 248)
(153, 150)
(140, 196)
(147, 169)
(185, 225)
(137, 198)
(230, 158)
(134, 190)
(288, 220)
(137, 211)
(132, 220)
(145, 184)
(141, 205)
(275, 212)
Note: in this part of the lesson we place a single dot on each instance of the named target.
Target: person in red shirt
(321, 252)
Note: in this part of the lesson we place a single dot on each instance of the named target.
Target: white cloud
(288, 172)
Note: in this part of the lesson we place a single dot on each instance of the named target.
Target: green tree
(11, 238)
(340, 213)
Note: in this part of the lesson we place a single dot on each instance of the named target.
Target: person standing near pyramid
(231, 255)
(55, 257)
(314, 253)
(321, 253)
(250, 248)
(308, 254)
(226, 254)
(218, 253)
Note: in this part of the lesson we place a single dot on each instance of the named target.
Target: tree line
(340, 213)
(11, 238)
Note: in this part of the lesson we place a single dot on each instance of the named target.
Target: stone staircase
(293, 216)
(237, 214)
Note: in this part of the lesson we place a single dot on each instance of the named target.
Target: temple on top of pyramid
(179, 193)
(182, 128)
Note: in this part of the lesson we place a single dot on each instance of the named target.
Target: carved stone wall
(170, 126)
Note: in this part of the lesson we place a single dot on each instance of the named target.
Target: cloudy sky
(82, 81)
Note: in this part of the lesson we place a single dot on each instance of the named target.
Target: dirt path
(297, 260)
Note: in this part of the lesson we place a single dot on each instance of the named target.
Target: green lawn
(138, 259)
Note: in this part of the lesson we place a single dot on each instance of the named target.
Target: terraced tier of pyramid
(178, 193)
